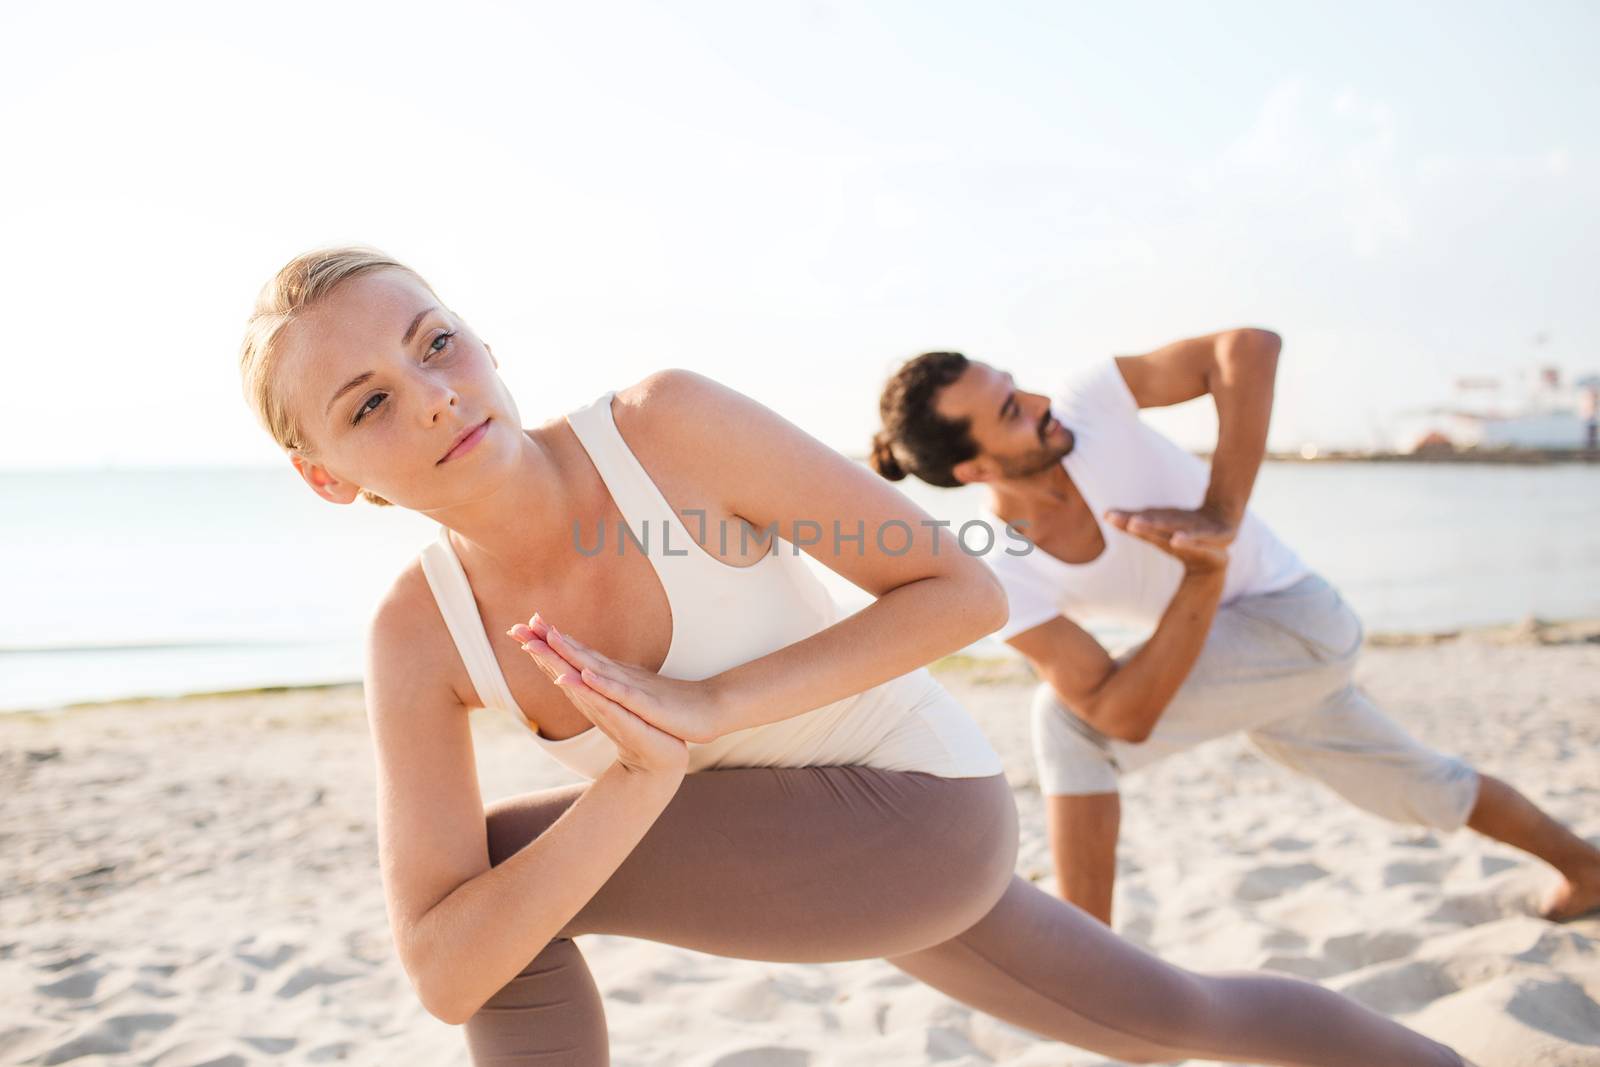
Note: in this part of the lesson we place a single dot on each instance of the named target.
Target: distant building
(1538, 411)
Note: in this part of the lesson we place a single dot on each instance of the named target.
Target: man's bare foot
(1571, 899)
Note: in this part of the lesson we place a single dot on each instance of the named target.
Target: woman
(768, 780)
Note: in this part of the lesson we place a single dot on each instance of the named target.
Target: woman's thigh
(797, 864)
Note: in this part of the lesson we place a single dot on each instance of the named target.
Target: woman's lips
(472, 437)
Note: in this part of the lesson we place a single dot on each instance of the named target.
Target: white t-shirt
(1119, 462)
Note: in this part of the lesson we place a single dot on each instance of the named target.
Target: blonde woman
(766, 779)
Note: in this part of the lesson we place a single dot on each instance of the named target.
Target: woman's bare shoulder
(660, 396)
(407, 638)
(681, 410)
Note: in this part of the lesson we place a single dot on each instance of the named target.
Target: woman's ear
(322, 481)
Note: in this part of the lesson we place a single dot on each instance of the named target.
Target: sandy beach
(193, 882)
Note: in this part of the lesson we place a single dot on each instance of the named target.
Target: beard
(1032, 462)
(1039, 459)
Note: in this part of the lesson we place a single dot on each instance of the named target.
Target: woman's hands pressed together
(641, 745)
(686, 709)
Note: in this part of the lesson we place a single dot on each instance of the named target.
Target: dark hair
(915, 438)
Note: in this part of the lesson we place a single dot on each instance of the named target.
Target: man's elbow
(1132, 733)
(1257, 345)
(1120, 723)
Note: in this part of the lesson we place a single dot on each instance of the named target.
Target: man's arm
(1237, 367)
(1126, 701)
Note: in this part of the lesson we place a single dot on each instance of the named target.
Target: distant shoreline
(976, 668)
(1497, 456)
(1490, 456)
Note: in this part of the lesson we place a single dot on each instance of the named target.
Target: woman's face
(396, 395)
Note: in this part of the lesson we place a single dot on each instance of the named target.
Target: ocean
(121, 583)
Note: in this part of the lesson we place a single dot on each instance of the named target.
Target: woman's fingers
(564, 672)
(576, 651)
(639, 743)
(547, 659)
(582, 696)
(612, 688)
(551, 659)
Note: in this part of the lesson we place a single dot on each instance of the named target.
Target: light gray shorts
(1278, 667)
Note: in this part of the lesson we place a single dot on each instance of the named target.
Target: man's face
(1015, 432)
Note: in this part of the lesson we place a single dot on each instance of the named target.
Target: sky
(793, 198)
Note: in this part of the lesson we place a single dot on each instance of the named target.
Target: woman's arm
(464, 929)
(932, 597)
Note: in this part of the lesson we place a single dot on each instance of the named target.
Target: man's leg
(1083, 845)
(1350, 746)
(1078, 777)
(1250, 672)
(1506, 815)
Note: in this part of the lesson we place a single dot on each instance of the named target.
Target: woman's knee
(550, 1012)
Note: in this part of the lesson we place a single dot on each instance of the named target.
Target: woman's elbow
(442, 1001)
(984, 598)
(437, 986)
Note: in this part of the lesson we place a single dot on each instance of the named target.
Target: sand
(193, 882)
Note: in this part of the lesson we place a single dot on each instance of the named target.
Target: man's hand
(1198, 538)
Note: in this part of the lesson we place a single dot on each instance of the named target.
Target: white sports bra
(722, 616)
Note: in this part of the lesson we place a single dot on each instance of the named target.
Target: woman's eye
(440, 343)
(370, 405)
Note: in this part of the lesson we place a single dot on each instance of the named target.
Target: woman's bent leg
(808, 864)
(550, 1015)
(821, 864)
(1042, 964)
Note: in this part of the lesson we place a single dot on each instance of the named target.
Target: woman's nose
(438, 399)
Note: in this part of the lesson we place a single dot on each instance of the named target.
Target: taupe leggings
(818, 864)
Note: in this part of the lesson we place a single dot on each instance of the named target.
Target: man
(1127, 527)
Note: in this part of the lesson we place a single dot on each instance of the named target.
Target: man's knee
(1405, 782)
(1070, 759)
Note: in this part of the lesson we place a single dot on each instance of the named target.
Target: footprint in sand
(1264, 883)
(207, 1052)
(1299, 966)
(1349, 952)
(1560, 1007)
(108, 1037)
(336, 1050)
(272, 1046)
(1469, 910)
(66, 961)
(310, 977)
(74, 986)
(1288, 844)
(768, 1056)
(1407, 872)
(1400, 987)
(267, 956)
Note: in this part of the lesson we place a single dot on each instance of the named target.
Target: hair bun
(883, 460)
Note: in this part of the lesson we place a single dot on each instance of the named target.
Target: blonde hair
(303, 281)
